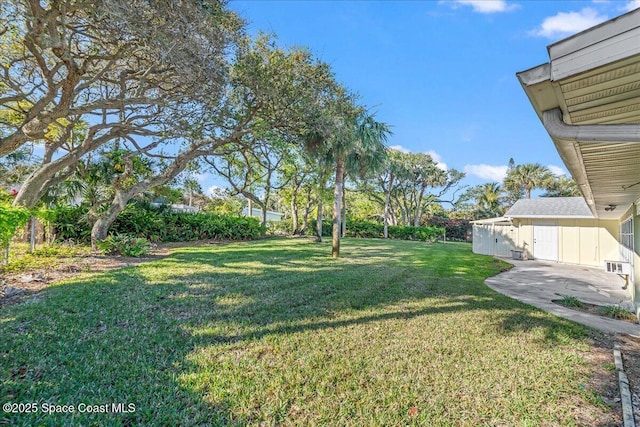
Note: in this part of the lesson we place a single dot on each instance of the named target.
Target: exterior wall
(580, 241)
(635, 291)
(482, 242)
(494, 239)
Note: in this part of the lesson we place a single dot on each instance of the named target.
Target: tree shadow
(133, 338)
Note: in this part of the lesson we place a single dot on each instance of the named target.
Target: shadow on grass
(126, 336)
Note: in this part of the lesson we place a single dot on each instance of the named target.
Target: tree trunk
(294, 212)
(387, 203)
(337, 199)
(250, 208)
(418, 211)
(343, 224)
(305, 216)
(32, 190)
(267, 197)
(100, 228)
(319, 221)
(263, 220)
(32, 234)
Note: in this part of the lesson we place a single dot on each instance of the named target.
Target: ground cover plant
(612, 311)
(45, 256)
(274, 332)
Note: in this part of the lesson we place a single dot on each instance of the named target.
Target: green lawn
(275, 332)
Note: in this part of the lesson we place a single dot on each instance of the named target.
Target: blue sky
(442, 73)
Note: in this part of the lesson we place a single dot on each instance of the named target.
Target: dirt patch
(15, 287)
(603, 382)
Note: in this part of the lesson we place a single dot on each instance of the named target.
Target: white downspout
(601, 133)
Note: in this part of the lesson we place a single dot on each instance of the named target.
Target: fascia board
(552, 217)
(595, 35)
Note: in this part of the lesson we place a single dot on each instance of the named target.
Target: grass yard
(275, 332)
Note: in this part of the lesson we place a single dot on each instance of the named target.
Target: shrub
(11, 217)
(458, 230)
(280, 228)
(326, 227)
(157, 224)
(425, 234)
(124, 245)
(364, 229)
(70, 223)
(374, 230)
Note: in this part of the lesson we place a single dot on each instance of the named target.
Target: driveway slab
(538, 283)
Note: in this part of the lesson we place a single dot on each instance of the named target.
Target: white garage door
(545, 241)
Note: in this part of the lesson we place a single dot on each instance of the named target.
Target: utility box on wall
(617, 267)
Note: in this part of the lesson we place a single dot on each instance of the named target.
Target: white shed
(494, 236)
(560, 229)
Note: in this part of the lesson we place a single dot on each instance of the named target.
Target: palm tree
(561, 186)
(526, 177)
(489, 199)
(356, 143)
(362, 152)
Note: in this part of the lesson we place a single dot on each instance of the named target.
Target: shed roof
(550, 207)
(488, 221)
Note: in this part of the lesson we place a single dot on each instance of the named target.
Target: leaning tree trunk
(337, 199)
(100, 228)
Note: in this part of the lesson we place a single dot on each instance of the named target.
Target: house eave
(588, 98)
(553, 217)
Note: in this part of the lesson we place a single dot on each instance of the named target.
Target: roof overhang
(498, 221)
(551, 217)
(588, 98)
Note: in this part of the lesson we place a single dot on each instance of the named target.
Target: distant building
(178, 207)
(257, 212)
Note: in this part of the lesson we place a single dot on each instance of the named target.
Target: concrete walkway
(538, 283)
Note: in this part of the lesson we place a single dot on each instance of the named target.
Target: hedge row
(157, 225)
(458, 230)
(367, 229)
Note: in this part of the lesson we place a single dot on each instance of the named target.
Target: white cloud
(212, 190)
(202, 177)
(557, 170)
(567, 23)
(489, 172)
(399, 148)
(438, 159)
(485, 6)
(633, 4)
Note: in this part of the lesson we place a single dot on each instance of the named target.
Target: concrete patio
(538, 283)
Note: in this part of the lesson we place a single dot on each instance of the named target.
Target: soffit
(607, 95)
(594, 78)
